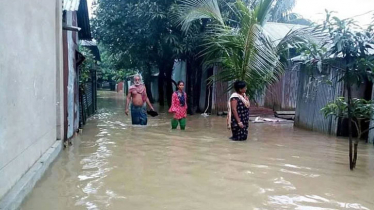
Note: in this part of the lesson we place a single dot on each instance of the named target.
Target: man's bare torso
(136, 98)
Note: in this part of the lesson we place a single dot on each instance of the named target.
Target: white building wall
(28, 69)
(179, 71)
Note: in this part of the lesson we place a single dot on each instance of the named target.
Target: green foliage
(86, 66)
(112, 68)
(138, 33)
(352, 46)
(239, 45)
(361, 108)
(344, 41)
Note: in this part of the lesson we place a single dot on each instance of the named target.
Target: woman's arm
(173, 103)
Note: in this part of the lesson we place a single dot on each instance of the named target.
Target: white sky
(315, 9)
(89, 5)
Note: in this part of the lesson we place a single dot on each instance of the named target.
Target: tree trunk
(349, 90)
(169, 85)
(189, 84)
(356, 142)
(197, 91)
(209, 89)
(147, 83)
(161, 86)
(165, 80)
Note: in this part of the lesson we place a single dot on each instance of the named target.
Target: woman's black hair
(238, 85)
(179, 82)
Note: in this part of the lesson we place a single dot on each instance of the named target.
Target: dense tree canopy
(354, 47)
(142, 35)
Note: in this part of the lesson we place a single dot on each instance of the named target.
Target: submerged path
(115, 166)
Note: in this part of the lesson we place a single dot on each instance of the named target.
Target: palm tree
(242, 50)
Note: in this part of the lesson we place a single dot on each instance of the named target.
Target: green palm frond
(244, 51)
(192, 10)
(262, 11)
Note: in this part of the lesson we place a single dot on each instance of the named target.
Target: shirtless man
(138, 98)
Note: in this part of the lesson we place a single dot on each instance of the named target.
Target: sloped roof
(70, 5)
(277, 31)
(83, 21)
(92, 46)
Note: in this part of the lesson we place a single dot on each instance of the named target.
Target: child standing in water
(179, 107)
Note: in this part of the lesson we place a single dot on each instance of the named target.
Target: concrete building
(30, 85)
(75, 15)
(39, 91)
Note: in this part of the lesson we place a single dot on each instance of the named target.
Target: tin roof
(70, 5)
(83, 20)
(277, 31)
(92, 46)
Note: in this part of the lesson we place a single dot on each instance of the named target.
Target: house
(31, 94)
(281, 95)
(313, 93)
(88, 91)
(213, 97)
(39, 94)
(76, 28)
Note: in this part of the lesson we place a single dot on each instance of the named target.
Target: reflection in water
(114, 165)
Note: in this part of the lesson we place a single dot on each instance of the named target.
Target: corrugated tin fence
(88, 99)
(220, 95)
(282, 95)
(313, 94)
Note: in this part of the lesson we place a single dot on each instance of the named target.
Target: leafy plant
(362, 110)
(239, 45)
(352, 46)
(140, 34)
(86, 67)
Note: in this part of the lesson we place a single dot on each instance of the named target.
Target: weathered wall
(220, 94)
(282, 95)
(72, 102)
(371, 132)
(313, 94)
(28, 66)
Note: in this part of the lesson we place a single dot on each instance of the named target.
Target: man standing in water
(138, 98)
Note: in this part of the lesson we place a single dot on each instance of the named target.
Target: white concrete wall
(28, 64)
(154, 88)
(59, 73)
(179, 71)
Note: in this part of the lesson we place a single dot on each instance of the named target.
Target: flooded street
(116, 166)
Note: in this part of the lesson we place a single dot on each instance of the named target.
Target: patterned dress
(179, 108)
(240, 134)
(179, 111)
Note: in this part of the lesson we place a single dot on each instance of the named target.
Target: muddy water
(113, 165)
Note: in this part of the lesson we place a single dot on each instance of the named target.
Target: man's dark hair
(238, 85)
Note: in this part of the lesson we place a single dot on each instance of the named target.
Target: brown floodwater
(116, 166)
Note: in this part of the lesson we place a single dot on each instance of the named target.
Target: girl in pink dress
(179, 107)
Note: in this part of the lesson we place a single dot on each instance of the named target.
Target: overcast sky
(315, 9)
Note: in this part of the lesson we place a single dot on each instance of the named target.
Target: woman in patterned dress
(238, 113)
(179, 107)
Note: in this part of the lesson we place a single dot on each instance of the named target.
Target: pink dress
(176, 108)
